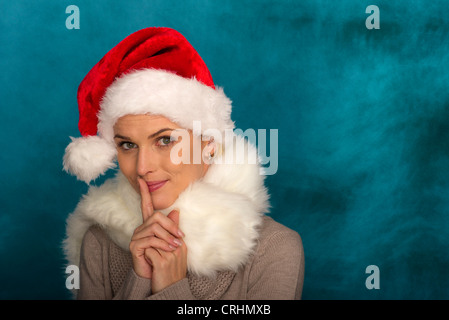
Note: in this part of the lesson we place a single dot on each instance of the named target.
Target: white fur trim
(219, 214)
(164, 93)
(89, 157)
(115, 206)
(221, 228)
(240, 173)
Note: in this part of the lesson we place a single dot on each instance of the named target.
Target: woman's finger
(156, 230)
(168, 266)
(152, 255)
(138, 245)
(174, 216)
(146, 203)
(169, 223)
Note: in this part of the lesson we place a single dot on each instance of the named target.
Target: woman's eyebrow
(121, 137)
(149, 137)
(159, 132)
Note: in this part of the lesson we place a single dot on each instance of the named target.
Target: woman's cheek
(128, 170)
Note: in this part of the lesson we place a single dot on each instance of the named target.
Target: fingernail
(178, 243)
(181, 234)
(171, 247)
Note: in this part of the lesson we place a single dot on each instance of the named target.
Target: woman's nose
(147, 161)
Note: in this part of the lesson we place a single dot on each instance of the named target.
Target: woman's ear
(209, 151)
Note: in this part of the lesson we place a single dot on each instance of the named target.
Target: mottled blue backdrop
(362, 117)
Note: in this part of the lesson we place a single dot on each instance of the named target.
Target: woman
(184, 216)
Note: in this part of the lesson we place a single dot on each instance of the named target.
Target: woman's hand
(157, 233)
(168, 266)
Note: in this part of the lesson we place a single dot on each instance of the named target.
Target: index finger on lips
(146, 204)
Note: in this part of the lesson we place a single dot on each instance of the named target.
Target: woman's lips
(154, 185)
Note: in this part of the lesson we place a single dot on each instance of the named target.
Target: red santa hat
(154, 70)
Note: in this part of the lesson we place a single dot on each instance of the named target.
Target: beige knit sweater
(275, 270)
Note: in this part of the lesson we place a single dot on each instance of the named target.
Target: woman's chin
(161, 204)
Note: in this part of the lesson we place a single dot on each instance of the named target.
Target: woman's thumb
(174, 216)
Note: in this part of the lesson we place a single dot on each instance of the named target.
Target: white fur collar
(219, 214)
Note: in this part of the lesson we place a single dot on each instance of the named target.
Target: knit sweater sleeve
(277, 271)
(95, 283)
(94, 276)
(137, 288)
(92, 284)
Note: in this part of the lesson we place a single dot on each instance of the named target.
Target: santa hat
(154, 70)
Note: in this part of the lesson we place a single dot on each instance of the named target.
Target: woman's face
(143, 150)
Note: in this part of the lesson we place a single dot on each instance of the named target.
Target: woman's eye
(165, 141)
(127, 145)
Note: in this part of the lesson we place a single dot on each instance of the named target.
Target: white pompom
(89, 157)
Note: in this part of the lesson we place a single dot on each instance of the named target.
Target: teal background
(362, 117)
